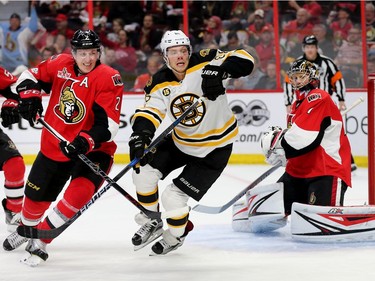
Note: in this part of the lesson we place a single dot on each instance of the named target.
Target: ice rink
(97, 246)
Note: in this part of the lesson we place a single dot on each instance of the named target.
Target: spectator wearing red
(255, 29)
(62, 27)
(312, 7)
(265, 48)
(125, 54)
(295, 30)
(216, 25)
(154, 63)
(343, 23)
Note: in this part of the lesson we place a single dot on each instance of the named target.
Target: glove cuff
(10, 103)
(32, 93)
(89, 139)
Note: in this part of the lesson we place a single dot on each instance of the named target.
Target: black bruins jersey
(212, 124)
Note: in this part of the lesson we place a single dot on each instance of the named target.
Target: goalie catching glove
(9, 112)
(212, 81)
(138, 142)
(82, 144)
(271, 146)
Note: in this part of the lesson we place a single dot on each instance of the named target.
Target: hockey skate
(12, 219)
(150, 231)
(36, 253)
(169, 242)
(13, 241)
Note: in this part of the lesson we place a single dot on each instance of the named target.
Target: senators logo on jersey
(70, 109)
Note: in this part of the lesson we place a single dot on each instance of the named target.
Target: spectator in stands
(148, 37)
(249, 82)
(61, 44)
(266, 7)
(371, 65)
(16, 39)
(326, 46)
(62, 27)
(370, 22)
(233, 42)
(208, 40)
(125, 55)
(48, 52)
(268, 81)
(265, 48)
(100, 13)
(216, 25)
(256, 27)
(349, 57)
(312, 7)
(110, 59)
(117, 25)
(154, 63)
(342, 23)
(294, 32)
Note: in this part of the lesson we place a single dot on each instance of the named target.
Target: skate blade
(31, 260)
(152, 238)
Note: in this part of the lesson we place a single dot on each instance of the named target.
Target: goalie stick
(31, 232)
(355, 103)
(219, 209)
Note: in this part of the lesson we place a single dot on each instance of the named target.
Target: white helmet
(174, 38)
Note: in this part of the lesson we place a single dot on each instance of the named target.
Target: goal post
(371, 137)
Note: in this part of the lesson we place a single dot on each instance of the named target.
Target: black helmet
(310, 40)
(307, 70)
(85, 39)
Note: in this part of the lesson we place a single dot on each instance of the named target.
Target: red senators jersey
(6, 81)
(78, 102)
(316, 143)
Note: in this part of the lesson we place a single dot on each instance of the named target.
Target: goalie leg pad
(263, 210)
(325, 224)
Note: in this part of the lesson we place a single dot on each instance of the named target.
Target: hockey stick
(31, 232)
(355, 103)
(219, 209)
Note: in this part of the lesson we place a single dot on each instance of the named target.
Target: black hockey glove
(212, 85)
(9, 112)
(138, 142)
(31, 106)
(82, 144)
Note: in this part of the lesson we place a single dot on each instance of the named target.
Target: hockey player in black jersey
(201, 143)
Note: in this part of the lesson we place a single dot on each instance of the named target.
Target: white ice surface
(97, 246)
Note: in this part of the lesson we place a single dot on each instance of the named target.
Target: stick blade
(34, 233)
(208, 209)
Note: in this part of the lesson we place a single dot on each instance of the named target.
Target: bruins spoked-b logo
(183, 102)
(70, 109)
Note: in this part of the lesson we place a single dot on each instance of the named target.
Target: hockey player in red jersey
(201, 143)
(84, 107)
(314, 148)
(11, 161)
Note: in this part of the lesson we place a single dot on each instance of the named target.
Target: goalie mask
(303, 76)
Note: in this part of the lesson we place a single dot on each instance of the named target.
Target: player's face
(178, 58)
(86, 59)
(299, 79)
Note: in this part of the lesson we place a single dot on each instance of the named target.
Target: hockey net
(371, 138)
